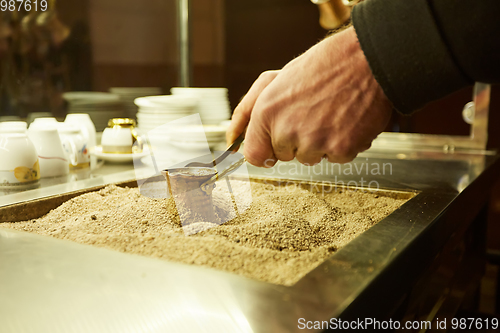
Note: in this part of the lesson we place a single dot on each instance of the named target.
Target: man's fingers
(309, 157)
(284, 153)
(284, 147)
(258, 147)
(241, 115)
(340, 158)
(365, 147)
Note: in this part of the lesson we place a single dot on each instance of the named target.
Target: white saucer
(118, 158)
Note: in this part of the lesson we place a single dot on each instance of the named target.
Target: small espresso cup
(18, 160)
(13, 127)
(73, 140)
(120, 137)
(54, 161)
(44, 121)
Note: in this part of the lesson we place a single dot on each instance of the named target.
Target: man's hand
(325, 103)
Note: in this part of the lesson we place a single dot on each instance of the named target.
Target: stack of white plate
(213, 103)
(193, 137)
(129, 94)
(100, 106)
(155, 111)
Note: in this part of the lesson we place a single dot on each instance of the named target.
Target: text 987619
(23, 5)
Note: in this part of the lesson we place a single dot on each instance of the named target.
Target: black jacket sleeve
(422, 50)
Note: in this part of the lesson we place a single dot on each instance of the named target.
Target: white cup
(13, 127)
(117, 140)
(84, 122)
(73, 140)
(44, 122)
(18, 160)
(54, 160)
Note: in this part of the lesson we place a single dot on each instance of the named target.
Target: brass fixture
(333, 13)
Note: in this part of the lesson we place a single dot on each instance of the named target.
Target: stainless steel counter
(51, 285)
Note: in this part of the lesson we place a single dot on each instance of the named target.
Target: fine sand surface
(285, 232)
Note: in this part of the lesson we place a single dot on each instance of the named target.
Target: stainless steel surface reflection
(51, 285)
(76, 180)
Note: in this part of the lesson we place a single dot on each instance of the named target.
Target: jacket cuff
(406, 52)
